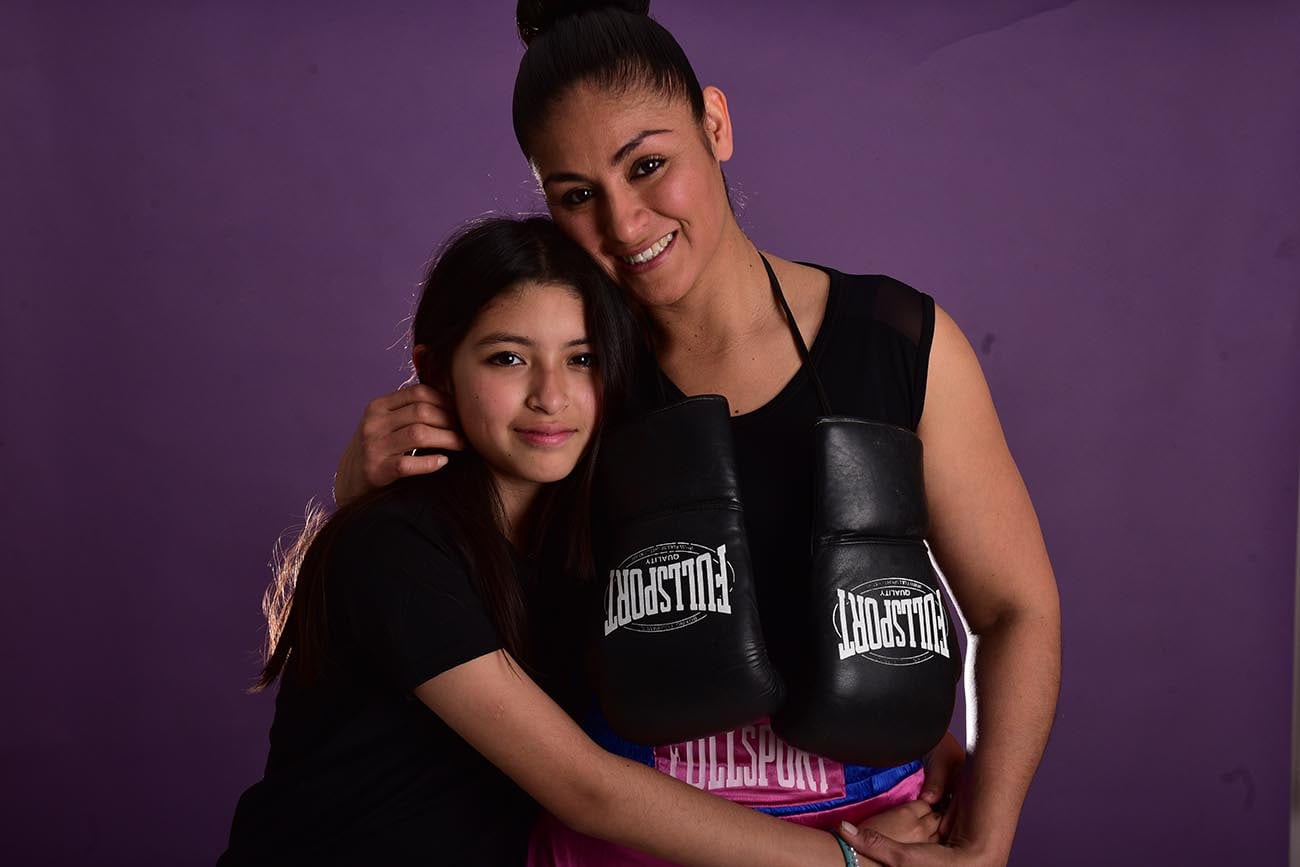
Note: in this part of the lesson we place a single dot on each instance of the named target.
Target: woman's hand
(913, 822)
(926, 820)
(879, 849)
(942, 771)
(379, 453)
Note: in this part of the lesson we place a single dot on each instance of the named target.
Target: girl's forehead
(531, 299)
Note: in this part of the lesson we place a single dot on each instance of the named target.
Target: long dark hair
(479, 263)
(615, 46)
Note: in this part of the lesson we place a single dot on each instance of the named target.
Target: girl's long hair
(481, 262)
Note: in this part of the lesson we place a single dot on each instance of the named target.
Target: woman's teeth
(649, 253)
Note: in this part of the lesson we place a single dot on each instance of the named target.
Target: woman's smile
(650, 256)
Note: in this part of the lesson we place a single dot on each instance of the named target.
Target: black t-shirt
(871, 353)
(361, 771)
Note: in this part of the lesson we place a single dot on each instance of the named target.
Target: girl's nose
(549, 394)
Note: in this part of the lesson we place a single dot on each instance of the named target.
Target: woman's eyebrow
(632, 144)
(619, 156)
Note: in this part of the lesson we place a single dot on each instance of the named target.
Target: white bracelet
(849, 853)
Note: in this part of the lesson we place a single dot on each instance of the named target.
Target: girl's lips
(628, 268)
(545, 439)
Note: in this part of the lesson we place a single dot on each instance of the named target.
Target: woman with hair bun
(628, 149)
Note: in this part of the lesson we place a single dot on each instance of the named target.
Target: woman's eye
(586, 359)
(575, 197)
(505, 359)
(648, 166)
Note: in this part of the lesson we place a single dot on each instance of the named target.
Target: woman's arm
(495, 707)
(986, 538)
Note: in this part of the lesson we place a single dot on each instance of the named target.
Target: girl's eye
(648, 166)
(574, 197)
(586, 359)
(505, 359)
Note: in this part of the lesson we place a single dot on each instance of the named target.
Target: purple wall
(214, 215)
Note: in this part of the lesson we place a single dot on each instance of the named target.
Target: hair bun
(535, 17)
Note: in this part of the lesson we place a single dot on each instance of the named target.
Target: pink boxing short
(749, 765)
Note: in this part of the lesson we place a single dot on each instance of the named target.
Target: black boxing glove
(680, 653)
(884, 661)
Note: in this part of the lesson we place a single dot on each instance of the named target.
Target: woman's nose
(624, 217)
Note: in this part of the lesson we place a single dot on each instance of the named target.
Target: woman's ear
(717, 124)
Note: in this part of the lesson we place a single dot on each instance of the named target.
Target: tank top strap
(797, 336)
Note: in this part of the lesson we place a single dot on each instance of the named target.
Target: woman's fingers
(415, 417)
(931, 825)
(919, 809)
(942, 767)
(949, 818)
(874, 845)
(391, 458)
(416, 465)
(393, 401)
(414, 435)
(379, 423)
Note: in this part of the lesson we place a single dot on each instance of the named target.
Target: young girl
(628, 149)
(408, 726)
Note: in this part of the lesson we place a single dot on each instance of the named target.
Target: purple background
(215, 214)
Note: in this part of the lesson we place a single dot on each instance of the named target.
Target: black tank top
(871, 353)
